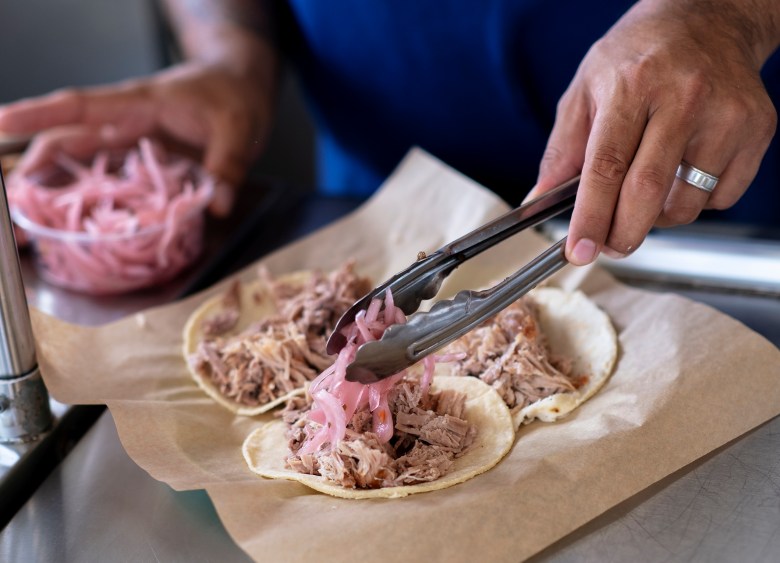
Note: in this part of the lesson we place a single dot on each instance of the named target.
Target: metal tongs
(403, 345)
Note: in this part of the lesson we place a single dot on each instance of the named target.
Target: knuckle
(638, 73)
(695, 85)
(767, 121)
(552, 155)
(608, 164)
(68, 96)
(687, 107)
(651, 184)
(72, 101)
(680, 214)
(735, 111)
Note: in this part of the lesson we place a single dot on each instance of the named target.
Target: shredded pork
(227, 318)
(430, 433)
(280, 353)
(510, 353)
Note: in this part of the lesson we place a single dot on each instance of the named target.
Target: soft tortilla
(252, 311)
(266, 448)
(577, 329)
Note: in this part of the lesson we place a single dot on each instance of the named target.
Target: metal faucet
(24, 401)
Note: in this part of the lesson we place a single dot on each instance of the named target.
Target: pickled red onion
(116, 225)
(327, 424)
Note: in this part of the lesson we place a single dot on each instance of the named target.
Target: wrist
(242, 54)
(752, 26)
(237, 36)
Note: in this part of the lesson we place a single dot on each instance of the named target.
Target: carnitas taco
(545, 355)
(538, 359)
(261, 342)
(400, 436)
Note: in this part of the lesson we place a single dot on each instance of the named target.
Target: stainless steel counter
(99, 506)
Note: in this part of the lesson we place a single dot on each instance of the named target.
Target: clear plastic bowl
(123, 220)
(114, 263)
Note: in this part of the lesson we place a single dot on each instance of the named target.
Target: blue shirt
(474, 82)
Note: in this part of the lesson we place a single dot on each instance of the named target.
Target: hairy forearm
(754, 25)
(236, 34)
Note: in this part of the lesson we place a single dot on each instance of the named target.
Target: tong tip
(335, 343)
(358, 374)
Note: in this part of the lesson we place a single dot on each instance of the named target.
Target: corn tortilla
(575, 328)
(256, 304)
(265, 449)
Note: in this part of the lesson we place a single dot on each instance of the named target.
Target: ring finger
(686, 200)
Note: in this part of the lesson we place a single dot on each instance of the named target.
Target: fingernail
(612, 253)
(529, 196)
(583, 252)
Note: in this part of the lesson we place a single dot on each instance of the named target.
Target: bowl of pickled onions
(124, 221)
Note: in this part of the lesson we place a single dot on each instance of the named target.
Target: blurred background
(50, 44)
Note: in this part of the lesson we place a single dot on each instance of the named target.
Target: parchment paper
(688, 380)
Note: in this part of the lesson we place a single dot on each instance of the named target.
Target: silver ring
(696, 178)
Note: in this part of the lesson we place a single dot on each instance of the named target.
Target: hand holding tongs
(403, 345)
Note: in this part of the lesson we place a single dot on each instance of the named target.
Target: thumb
(228, 155)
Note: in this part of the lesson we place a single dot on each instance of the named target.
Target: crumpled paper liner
(688, 380)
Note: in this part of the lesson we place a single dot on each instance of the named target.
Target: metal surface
(696, 178)
(24, 402)
(17, 347)
(423, 278)
(10, 144)
(99, 506)
(403, 345)
(12, 453)
(24, 408)
(696, 256)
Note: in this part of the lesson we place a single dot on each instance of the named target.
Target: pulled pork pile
(509, 353)
(430, 433)
(282, 352)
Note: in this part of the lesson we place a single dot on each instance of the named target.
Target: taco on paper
(470, 442)
(539, 359)
(403, 435)
(261, 342)
(545, 354)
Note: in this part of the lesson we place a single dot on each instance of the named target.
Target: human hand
(200, 107)
(666, 84)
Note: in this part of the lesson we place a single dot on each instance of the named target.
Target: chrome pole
(24, 401)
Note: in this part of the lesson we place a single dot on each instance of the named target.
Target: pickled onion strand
(390, 308)
(429, 364)
(365, 331)
(153, 168)
(374, 307)
(148, 191)
(446, 358)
